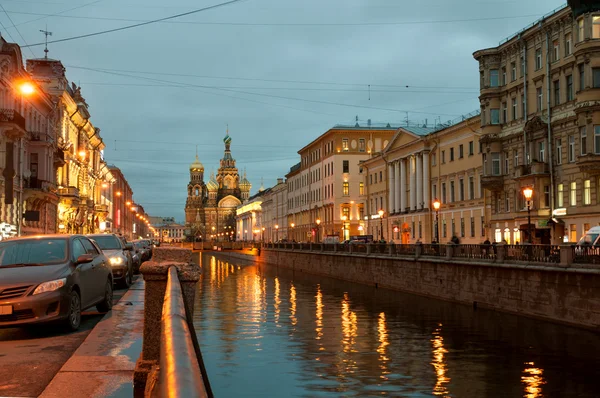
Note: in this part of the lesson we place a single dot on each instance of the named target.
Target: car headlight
(116, 260)
(50, 286)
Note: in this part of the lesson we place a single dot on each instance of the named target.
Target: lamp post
(381, 220)
(293, 225)
(276, 232)
(318, 221)
(436, 206)
(528, 193)
(263, 235)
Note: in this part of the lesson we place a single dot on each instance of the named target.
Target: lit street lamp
(528, 193)
(318, 221)
(276, 232)
(436, 206)
(293, 225)
(381, 220)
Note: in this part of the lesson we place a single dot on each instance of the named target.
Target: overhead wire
(137, 25)
(58, 14)
(14, 26)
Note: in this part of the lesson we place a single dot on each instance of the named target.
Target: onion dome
(227, 139)
(245, 184)
(212, 184)
(197, 165)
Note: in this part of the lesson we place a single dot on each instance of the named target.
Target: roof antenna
(46, 33)
(196, 151)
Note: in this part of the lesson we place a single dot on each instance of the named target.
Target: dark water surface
(269, 332)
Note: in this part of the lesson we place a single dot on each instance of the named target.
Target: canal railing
(563, 255)
(171, 363)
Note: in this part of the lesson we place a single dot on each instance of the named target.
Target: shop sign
(559, 212)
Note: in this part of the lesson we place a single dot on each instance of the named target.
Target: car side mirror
(128, 246)
(84, 258)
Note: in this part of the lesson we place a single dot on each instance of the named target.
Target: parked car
(52, 278)
(147, 252)
(136, 256)
(119, 256)
(143, 251)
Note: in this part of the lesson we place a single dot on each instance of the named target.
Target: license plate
(6, 310)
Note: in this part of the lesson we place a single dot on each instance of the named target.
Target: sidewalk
(103, 365)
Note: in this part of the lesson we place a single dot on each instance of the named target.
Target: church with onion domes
(210, 207)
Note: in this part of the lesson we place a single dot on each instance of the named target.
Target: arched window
(197, 191)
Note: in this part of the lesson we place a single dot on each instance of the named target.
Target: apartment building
(540, 120)
(325, 190)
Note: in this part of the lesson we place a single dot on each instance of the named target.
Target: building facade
(123, 211)
(275, 213)
(327, 185)
(540, 116)
(250, 219)
(211, 208)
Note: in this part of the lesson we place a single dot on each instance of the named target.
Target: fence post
(501, 248)
(392, 249)
(335, 247)
(369, 248)
(155, 274)
(450, 250)
(418, 250)
(566, 255)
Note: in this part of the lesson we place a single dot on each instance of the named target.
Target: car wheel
(106, 304)
(74, 318)
(126, 281)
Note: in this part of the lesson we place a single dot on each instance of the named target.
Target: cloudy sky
(278, 72)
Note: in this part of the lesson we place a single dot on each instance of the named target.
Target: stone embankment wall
(565, 295)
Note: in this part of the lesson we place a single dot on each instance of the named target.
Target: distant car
(52, 278)
(119, 257)
(136, 256)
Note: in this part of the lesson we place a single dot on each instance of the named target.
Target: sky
(277, 73)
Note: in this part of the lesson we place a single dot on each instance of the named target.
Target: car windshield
(588, 239)
(107, 242)
(33, 251)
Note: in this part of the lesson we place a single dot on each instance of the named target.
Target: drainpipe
(550, 153)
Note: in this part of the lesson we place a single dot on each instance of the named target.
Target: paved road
(30, 359)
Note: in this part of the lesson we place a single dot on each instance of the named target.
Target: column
(413, 183)
(426, 181)
(391, 192)
(403, 204)
(420, 184)
(396, 187)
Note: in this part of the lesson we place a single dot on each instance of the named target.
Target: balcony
(70, 192)
(12, 120)
(101, 208)
(493, 183)
(37, 136)
(589, 163)
(39, 189)
(41, 185)
(59, 158)
(534, 169)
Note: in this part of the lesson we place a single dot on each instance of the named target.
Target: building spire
(46, 33)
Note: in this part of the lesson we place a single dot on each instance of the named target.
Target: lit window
(361, 189)
(587, 192)
(596, 27)
(345, 144)
(346, 189)
(573, 194)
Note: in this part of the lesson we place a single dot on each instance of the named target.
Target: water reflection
(533, 380)
(273, 332)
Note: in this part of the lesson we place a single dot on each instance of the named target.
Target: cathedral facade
(210, 207)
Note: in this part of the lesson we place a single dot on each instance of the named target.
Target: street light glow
(528, 193)
(318, 221)
(380, 213)
(26, 88)
(436, 205)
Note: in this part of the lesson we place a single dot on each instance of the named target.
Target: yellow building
(422, 164)
(540, 116)
(327, 185)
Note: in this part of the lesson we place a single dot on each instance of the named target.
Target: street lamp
(344, 218)
(381, 220)
(262, 237)
(276, 232)
(436, 206)
(318, 221)
(528, 193)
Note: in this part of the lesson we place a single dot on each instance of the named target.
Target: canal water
(269, 332)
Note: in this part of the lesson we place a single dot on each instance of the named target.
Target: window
(89, 248)
(596, 77)
(555, 51)
(546, 195)
(485, 169)
(515, 158)
(597, 140)
(556, 92)
(452, 154)
(494, 78)
(452, 197)
(587, 192)
(580, 30)
(471, 148)
(494, 116)
(595, 27)
(558, 151)
(569, 88)
(496, 164)
(346, 166)
(504, 76)
(560, 196)
(504, 113)
(371, 179)
(462, 227)
(78, 249)
(571, 148)
(346, 189)
(443, 192)
(541, 151)
(538, 59)
(413, 229)
(506, 163)
(345, 144)
(583, 144)
(568, 40)
(361, 189)
(482, 226)
(380, 176)
(471, 188)
(361, 145)
(513, 71)
(514, 109)
(443, 157)
(461, 153)
(434, 191)
(461, 187)
(444, 233)
(540, 99)
(453, 228)
(581, 77)
(506, 202)
(573, 194)
(433, 159)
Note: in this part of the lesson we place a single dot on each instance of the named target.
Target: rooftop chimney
(279, 181)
